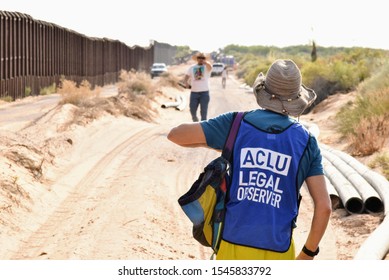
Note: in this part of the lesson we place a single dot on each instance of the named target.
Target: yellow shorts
(229, 251)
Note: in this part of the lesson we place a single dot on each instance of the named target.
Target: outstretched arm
(188, 135)
(321, 214)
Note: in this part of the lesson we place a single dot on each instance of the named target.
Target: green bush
(377, 81)
(252, 74)
(27, 91)
(7, 98)
(365, 106)
(382, 162)
(335, 70)
(366, 121)
(346, 74)
(372, 100)
(311, 71)
(48, 90)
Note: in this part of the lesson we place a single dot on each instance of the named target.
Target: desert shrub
(329, 76)
(366, 121)
(369, 135)
(377, 81)
(253, 73)
(335, 70)
(136, 84)
(169, 80)
(48, 90)
(251, 66)
(7, 98)
(381, 161)
(27, 91)
(76, 95)
(311, 70)
(316, 76)
(137, 91)
(346, 74)
(325, 76)
(365, 106)
(372, 99)
(246, 64)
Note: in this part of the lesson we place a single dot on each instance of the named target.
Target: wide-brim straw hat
(282, 91)
(207, 56)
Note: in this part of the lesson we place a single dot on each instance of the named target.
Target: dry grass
(136, 94)
(6, 99)
(381, 162)
(369, 135)
(12, 194)
(43, 91)
(24, 153)
(167, 79)
(135, 99)
(14, 157)
(136, 84)
(24, 157)
(77, 95)
(365, 123)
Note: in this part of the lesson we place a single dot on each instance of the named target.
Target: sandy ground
(108, 189)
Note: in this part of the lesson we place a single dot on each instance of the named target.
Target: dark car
(157, 69)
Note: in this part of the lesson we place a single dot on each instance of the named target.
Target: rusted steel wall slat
(35, 54)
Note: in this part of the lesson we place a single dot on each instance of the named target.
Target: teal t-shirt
(216, 132)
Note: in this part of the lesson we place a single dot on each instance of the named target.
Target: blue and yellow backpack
(204, 203)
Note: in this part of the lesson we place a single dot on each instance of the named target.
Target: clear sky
(208, 25)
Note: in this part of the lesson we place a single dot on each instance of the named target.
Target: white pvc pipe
(376, 246)
(351, 199)
(334, 195)
(376, 180)
(370, 197)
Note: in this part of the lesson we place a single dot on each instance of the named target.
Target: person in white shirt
(198, 75)
(224, 76)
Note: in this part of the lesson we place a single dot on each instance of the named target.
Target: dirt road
(111, 188)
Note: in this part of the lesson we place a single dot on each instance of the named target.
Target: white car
(157, 69)
(217, 69)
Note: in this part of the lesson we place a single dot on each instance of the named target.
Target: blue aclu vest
(263, 197)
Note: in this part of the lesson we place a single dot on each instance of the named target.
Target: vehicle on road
(157, 69)
(217, 69)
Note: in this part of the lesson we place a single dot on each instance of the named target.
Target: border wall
(35, 54)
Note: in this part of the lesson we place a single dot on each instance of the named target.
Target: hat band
(277, 96)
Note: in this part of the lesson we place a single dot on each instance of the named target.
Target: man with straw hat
(198, 74)
(273, 156)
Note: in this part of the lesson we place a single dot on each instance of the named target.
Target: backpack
(204, 203)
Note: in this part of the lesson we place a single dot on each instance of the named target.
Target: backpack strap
(229, 145)
(226, 154)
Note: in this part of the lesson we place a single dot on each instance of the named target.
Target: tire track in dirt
(116, 196)
(169, 170)
(62, 224)
(87, 234)
(185, 176)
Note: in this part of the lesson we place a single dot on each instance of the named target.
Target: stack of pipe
(358, 194)
(373, 190)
